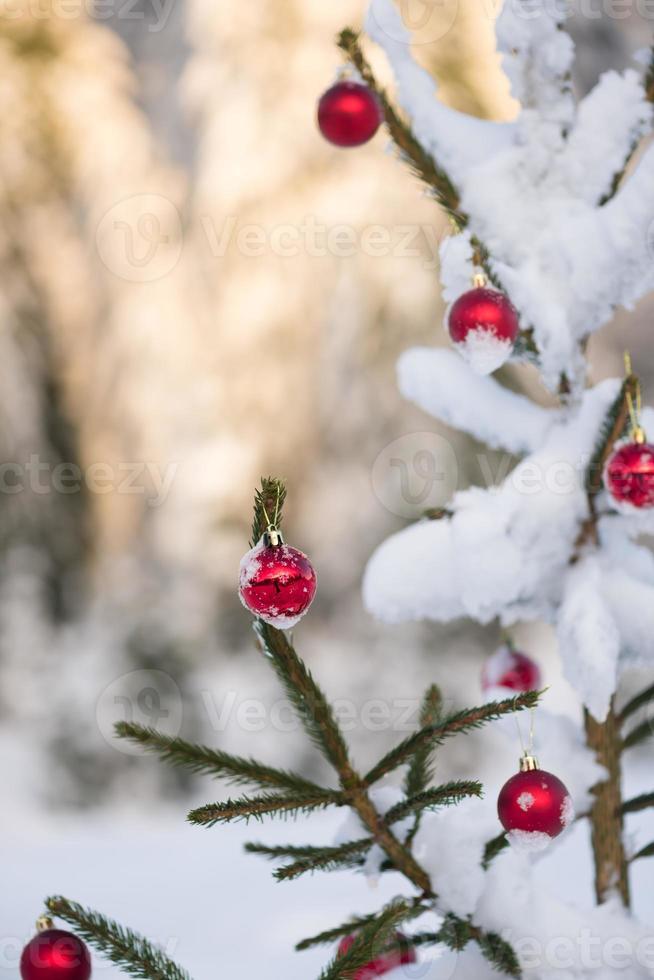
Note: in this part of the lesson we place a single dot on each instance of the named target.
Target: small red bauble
(534, 806)
(629, 475)
(403, 953)
(512, 670)
(484, 325)
(55, 954)
(277, 583)
(349, 114)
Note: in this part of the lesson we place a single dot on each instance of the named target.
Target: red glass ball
(629, 475)
(484, 325)
(510, 669)
(55, 954)
(535, 802)
(349, 114)
(277, 583)
(404, 953)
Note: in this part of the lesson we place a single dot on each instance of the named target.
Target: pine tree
(542, 209)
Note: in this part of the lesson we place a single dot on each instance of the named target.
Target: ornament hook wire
(635, 409)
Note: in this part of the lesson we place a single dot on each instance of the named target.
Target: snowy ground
(217, 910)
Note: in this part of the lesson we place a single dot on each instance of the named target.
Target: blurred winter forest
(195, 290)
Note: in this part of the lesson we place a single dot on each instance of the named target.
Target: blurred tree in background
(195, 290)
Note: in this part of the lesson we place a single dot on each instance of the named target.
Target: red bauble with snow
(534, 806)
(55, 954)
(403, 953)
(277, 583)
(510, 670)
(629, 475)
(349, 114)
(484, 326)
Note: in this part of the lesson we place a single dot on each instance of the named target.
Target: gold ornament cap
(528, 763)
(272, 538)
(43, 923)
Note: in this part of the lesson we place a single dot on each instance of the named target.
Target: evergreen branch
(326, 859)
(638, 803)
(463, 721)
(419, 774)
(648, 81)
(248, 808)
(420, 161)
(638, 735)
(268, 505)
(500, 953)
(330, 936)
(445, 795)
(639, 701)
(493, 848)
(122, 946)
(645, 852)
(612, 430)
(456, 933)
(369, 942)
(310, 703)
(201, 759)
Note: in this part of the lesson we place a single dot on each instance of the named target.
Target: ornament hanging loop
(272, 536)
(528, 763)
(635, 407)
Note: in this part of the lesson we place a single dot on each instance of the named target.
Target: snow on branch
(505, 551)
(435, 379)
(458, 140)
(595, 153)
(537, 57)
(589, 640)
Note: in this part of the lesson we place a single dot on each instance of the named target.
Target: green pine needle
(268, 506)
(311, 705)
(213, 762)
(639, 734)
(639, 701)
(122, 946)
(256, 808)
(419, 774)
(446, 795)
(463, 721)
(369, 942)
(638, 803)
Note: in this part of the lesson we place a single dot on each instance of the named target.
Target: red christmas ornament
(629, 475)
(349, 114)
(534, 805)
(403, 953)
(277, 583)
(54, 954)
(512, 670)
(484, 325)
